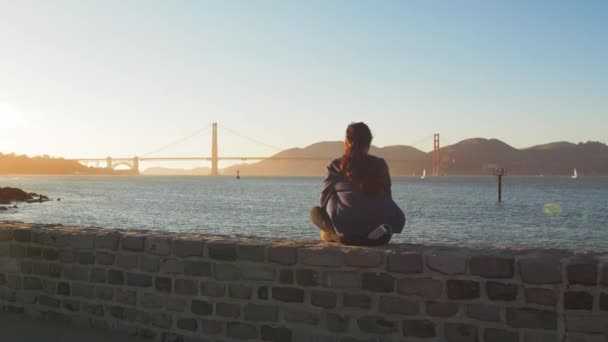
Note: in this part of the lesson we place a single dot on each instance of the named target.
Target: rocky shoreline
(10, 196)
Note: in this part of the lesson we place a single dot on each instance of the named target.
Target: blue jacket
(354, 213)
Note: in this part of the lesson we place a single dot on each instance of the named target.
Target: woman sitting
(356, 202)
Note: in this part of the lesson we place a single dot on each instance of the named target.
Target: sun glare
(10, 115)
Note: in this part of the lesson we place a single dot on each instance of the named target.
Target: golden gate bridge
(132, 163)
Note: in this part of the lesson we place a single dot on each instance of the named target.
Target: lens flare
(552, 209)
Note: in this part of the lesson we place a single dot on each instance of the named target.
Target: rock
(10, 195)
(2, 208)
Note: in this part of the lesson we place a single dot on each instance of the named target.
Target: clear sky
(122, 78)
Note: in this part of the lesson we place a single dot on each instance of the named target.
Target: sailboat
(574, 174)
(423, 174)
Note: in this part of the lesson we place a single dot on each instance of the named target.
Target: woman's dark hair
(357, 166)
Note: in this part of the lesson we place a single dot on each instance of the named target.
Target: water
(550, 212)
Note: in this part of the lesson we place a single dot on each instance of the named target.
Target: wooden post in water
(499, 172)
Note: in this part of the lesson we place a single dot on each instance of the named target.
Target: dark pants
(319, 217)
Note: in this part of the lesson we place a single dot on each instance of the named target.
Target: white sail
(423, 174)
(574, 174)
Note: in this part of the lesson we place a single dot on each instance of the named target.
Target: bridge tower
(109, 162)
(135, 167)
(436, 170)
(214, 157)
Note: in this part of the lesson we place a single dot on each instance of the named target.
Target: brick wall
(189, 287)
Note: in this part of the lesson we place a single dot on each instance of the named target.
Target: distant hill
(476, 156)
(21, 164)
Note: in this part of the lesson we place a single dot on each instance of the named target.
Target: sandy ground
(16, 328)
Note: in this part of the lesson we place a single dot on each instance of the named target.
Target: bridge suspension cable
(250, 139)
(178, 141)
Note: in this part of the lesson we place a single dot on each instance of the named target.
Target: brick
(462, 289)
(288, 294)
(500, 335)
(151, 301)
(93, 309)
(423, 287)
(158, 245)
(321, 256)
(241, 331)
(540, 336)
(540, 296)
(161, 320)
(357, 300)
(421, 328)
(128, 261)
(604, 301)
(176, 304)
(211, 289)
(50, 254)
(252, 252)
(226, 272)
(492, 267)
(307, 277)
(239, 291)
(163, 284)
(86, 258)
(447, 263)
(189, 324)
(460, 332)
(76, 273)
(582, 273)
(261, 313)
(63, 289)
(150, 263)
(220, 250)
(585, 323)
(336, 322)
(363, 258)
(399, 306)
(32, 283)
(286, 277)
(104, 292)
(300, 316)
(107, 241)
(441, 309)
(71, 305)
(263, 292)
(211, 327)
(501, 291)
(17, 251)
(116, 277)
(408, 263)
(275, 334)
(82, 290)
(283, 254)
(484, 312)
(133, 243)
(82, 241)
(377, 282)
(197, 268)
(171, 266)
(103, 258)
(98, 275)
(34, 252)
(126, 297)
(187, 248)
(48, 301)
(604, 279)
(577, 300)
(261, 273)
(531, 318)
(200, 307)
(22, 235)
(228, 310)
(324, 299)
(340, 279)
(139, 280)
(14, 281)
(540, 270)
(186, 287)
